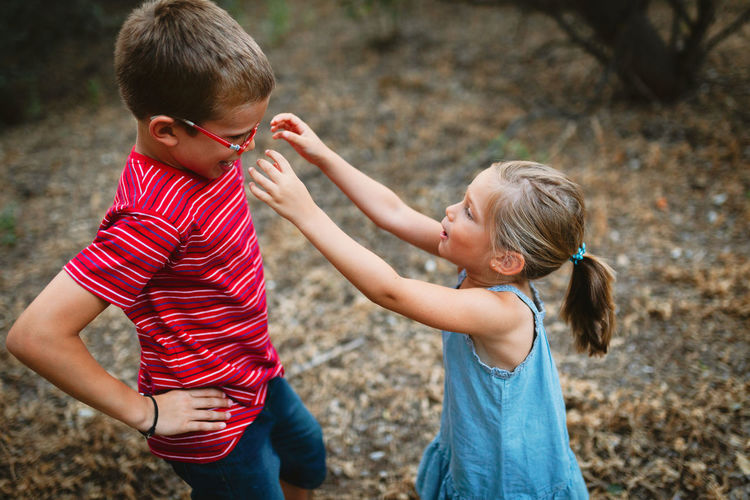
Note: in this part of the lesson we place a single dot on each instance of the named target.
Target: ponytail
(540, 213)
(589, 306)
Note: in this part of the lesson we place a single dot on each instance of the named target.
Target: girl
(502, 431)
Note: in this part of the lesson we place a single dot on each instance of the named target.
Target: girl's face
(210, 159)
(465, 240)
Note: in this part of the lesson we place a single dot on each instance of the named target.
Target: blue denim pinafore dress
(502, 434)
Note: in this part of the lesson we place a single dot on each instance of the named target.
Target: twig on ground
(326, 356)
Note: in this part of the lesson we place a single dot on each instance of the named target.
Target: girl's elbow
(384, 297)
(383, 288)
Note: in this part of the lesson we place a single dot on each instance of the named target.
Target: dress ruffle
(434, 478)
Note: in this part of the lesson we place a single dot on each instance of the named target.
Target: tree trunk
(639, 54)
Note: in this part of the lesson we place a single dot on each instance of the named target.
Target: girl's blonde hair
(540, 214)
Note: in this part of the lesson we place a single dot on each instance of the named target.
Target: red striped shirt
(180, 256)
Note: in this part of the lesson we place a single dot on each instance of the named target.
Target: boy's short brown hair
(188, 59)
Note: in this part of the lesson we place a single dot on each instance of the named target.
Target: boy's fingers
(211, 416)
(209, 426)
(199, 425)
(212, 403)
(206, 393)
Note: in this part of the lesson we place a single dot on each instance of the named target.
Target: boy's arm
(46, 338)
(375, 200)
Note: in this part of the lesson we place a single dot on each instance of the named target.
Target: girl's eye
(468, 212)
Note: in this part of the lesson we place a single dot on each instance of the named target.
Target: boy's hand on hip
(188, 410)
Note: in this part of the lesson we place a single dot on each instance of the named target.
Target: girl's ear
(508, 263)
(161, 129)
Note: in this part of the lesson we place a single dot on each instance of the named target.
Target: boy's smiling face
(208, 158)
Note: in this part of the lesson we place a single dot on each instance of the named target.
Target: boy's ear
(161, 129)
(508, 263)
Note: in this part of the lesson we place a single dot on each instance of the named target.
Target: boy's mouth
(226, 165)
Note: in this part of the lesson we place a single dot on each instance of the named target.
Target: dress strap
(536, 305)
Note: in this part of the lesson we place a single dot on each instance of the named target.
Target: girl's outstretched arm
(376, 200)
(46, 338)
(475, 311)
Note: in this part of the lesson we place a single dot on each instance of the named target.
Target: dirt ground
(663, 415)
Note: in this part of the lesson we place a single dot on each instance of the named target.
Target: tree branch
(679, 15)
(703, 20)
(678, 7)
(587, 44)
(728, 30)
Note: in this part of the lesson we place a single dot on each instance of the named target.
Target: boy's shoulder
(152, 188)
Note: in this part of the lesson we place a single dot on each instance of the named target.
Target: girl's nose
(450, 211)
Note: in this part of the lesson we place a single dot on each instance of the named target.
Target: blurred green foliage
(504, 147)
(54, 51)
(382, 18)
(8, 236)
(279, 19)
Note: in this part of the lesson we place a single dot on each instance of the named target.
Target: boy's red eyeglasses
(240, 148)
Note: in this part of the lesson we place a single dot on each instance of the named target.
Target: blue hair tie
(578, 256)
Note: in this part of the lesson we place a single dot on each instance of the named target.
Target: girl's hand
(182, 411)
(300, 136)
(281, 190)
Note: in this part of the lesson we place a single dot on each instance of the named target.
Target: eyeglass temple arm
(234, 147)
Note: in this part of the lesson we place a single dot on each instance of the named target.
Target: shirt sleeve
(124, 256)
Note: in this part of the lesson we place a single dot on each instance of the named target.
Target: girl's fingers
(287, 135)
(289, 127)
(294, 140)
(279, 160)
(283, 121)
(281, 117)
(286, 118)
(262, 185)
(259, 193)
(270, 170)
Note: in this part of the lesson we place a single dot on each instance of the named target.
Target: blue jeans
(284, 442)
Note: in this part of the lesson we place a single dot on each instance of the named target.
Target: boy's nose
(249, 147)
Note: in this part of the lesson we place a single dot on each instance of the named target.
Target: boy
(177, 251)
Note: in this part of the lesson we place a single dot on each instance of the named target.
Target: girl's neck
(475, 281)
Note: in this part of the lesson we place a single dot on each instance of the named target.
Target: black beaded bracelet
(147, 434)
